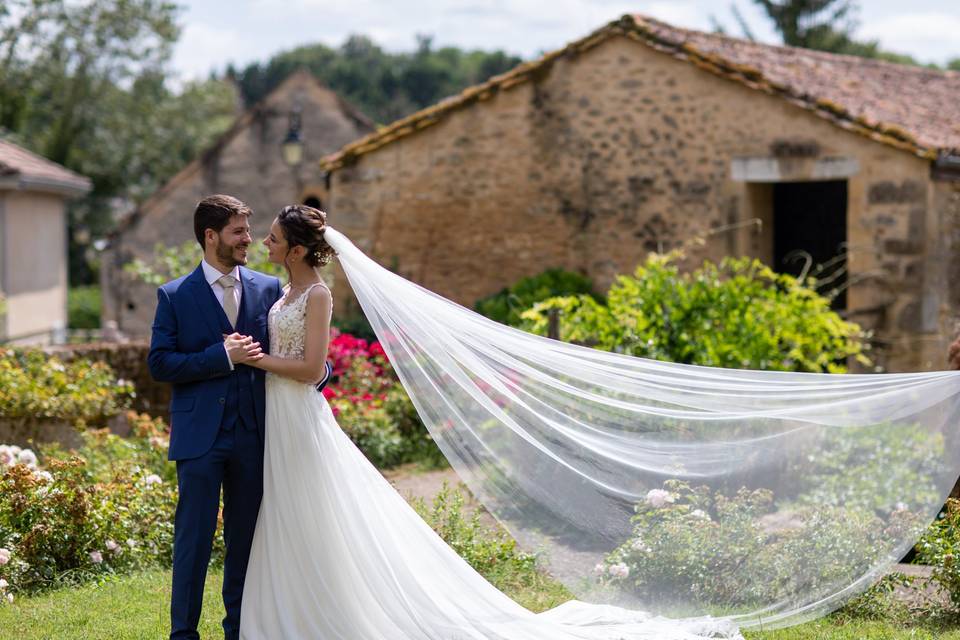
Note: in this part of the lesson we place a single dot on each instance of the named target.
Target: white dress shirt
(212, 274)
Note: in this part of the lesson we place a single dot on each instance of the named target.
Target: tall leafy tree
(84, 83)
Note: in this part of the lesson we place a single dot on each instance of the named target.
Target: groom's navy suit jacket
(187, 350)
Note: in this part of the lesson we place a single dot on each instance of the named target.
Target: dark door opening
(810, 218)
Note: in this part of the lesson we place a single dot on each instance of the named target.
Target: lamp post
(292, 146)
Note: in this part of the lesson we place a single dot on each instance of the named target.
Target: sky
(244, 31)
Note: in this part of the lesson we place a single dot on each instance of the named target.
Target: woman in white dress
(338, 554)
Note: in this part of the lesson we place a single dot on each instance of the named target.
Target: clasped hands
(242, 349)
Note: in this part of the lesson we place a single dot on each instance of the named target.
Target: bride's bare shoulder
(319, 296)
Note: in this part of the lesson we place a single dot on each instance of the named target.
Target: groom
(208, 327)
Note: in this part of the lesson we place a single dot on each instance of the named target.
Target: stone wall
(620, 151)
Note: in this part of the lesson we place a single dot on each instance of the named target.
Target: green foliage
(738, 551)
(35, 385)
(880, 469)
(506, 305)
(492, 553)
(105, 509)
(385, 86)
(169, 263)
(84, 84)
(739, 314)
(83, 307)
(940, 548)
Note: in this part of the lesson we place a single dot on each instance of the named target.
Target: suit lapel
(248, 300)
(206, 302)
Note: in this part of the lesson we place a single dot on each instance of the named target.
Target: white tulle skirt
(339, 554)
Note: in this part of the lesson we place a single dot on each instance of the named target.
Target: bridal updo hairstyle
(304, 226)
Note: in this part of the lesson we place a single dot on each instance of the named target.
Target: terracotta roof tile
(912, 108)
(17, 161)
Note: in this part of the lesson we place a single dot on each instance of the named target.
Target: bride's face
(276, 244)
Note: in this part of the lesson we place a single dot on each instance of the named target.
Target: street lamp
(292, 146)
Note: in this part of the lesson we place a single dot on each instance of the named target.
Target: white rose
(27, 457)
(659, 498)
(153, 479)
(619, 570)
(4, 584)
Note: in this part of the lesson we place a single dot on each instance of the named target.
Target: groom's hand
(242, 349)
(953, 355)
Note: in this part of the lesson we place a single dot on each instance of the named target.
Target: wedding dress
(675, 501)
(338, 554)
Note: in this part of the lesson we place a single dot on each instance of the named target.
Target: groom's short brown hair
(214, 212)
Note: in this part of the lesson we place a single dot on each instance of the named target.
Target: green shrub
(105, 509)
(506, 305)
(34, 385)
(492, 553)
(940, 548)
(739, 314)
(83, 307)
(739, 551)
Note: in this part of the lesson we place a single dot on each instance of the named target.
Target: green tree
(385, 86)
(85, 83)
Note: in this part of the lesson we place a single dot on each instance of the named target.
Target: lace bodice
(286, 323)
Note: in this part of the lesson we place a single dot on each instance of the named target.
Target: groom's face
(233, 241)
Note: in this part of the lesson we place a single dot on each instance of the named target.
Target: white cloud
(930, 36)
(203, 47)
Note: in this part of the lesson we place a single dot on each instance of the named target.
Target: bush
(940, 548)
(372, 407)
(739, 314)
(739, 551)
(34, 385)
(493, 554)
(105, 509)
(507, 305)
(83, 307)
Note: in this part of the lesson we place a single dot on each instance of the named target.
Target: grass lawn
(137, 608)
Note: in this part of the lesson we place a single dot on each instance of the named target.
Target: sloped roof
(24, 170)
(239, 125)
(915, 109)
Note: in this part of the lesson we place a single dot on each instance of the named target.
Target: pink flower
(619, 570)
(96, 557)
(112, 546)
(3, 584)
(4, 556)
(153, 479)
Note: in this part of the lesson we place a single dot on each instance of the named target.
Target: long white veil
(766, 497)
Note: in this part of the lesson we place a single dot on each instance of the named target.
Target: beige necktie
(229, 283)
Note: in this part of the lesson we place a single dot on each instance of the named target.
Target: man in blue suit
(209, 325)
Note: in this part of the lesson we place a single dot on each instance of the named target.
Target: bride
(338, 553)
